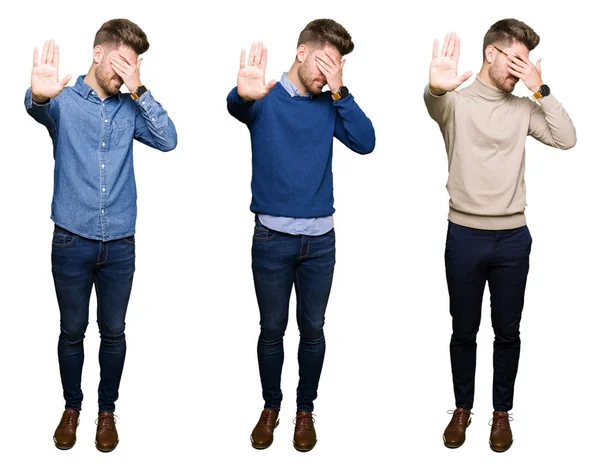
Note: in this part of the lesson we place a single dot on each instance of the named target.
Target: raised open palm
(251, 77)
(443, 71)
(44, 75)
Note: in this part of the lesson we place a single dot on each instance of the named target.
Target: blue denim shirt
(94, 184)
(284, 224)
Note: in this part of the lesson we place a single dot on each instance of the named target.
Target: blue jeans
(474, 256)
(77, 265)
(279, 262)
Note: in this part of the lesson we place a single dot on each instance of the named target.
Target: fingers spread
(51, 52)
(258, 54)
(456, 51)
(45, 53)
(263, 59)
(451, 45)
(65, 80)
(445, 45)
(252, 55)
(243, 59)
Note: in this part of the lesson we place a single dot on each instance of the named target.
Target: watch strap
(141, 90)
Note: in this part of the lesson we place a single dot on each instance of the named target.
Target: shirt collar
(290, 87)
(85, 90)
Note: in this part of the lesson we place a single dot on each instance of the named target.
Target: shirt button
(103, 189)
(106, 121)
(153, 119)
(93, 93)
(103, 166)
(103, 144)
(143, 103)
(102, 211)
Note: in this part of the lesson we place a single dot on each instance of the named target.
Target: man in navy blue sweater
(292, 125)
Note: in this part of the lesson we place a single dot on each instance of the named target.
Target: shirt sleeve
(550, 124)
(153, 126)
(352, 127)
(45, 113)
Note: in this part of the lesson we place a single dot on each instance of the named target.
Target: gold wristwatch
(544, 91)
(141, 90)
(343, 92)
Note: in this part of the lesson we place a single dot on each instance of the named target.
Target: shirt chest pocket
(121, 132)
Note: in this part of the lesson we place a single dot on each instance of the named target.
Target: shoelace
(304, 422)
(266, 418)
(459, 417)
(69, 418)
(501, 421)
(106, 421)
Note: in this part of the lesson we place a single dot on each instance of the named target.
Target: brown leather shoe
(106, 432)
(501, 436)
(64, 436)
(305, 436)
(262, 434)
(454, 434)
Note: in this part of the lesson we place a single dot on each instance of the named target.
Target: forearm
(439, 105)
(550, 123)
(156, 128)
(240, 108)
(353, 127)
(40, 112)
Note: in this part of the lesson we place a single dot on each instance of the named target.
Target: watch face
(141, 90)
(344, 92)
(545, 90)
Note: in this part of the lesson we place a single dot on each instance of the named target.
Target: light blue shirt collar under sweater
(304, 226)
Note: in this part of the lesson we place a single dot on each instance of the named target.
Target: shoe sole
(453, 446)
(101, 449)
(500, 450)
(63, 448)
(304, 449)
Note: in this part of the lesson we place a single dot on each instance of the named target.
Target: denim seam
(66, 244)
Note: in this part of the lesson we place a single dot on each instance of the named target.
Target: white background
(190, 393)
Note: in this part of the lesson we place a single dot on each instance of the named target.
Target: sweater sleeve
(440, 107)
(352, 127)
(239, 108)
(550, 124)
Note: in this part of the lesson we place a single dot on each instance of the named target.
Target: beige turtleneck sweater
(484, 130)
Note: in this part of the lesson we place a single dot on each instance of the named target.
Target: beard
(504, 82)
(312, 85)
(110, 83)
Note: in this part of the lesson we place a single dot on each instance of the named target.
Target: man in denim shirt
(92, 126)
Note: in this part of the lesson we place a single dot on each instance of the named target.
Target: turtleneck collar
(487, 91)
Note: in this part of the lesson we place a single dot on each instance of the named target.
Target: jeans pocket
(130, 239)
(63, 238)
(262, 233)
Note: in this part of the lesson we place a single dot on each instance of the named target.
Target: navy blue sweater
(292, 144)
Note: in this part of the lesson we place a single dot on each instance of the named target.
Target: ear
(98, 54)
(302, 53)
(490, 52)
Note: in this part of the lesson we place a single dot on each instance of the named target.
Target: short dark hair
(509, 30)
(122, 32)
(326, 31)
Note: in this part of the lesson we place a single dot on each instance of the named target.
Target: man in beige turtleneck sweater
(484, 128)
